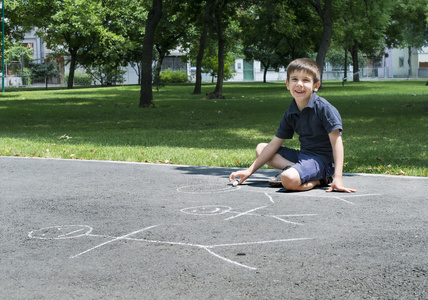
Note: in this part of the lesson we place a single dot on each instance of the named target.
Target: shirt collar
(312, 100)
(293, 106)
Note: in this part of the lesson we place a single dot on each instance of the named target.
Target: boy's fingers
(231, 177)
(341, 189)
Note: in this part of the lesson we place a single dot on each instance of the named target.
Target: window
(401, 62)
(29, 46)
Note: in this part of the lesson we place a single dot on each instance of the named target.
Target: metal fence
(16, 76)
(27, 81)
(369, 73)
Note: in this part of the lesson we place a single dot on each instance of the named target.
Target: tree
(18, 52)
(218, 22)
(324, 12)
(409, 26)
(172, 30)
(202, 44)
(363, 26)
(77, 29)
(210, 64)
(153, 18)
(44, 71)
(259, 20)
(128, 18)
(222, 14)
(121, 21)
(17, 22)
(106, 74)
(278, 33)
(70, 27)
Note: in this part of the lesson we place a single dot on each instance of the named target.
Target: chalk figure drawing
(77, 231)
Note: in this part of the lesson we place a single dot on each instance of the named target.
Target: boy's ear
(317, 86)
(286, 83)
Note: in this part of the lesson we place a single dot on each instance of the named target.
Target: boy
(319, 127)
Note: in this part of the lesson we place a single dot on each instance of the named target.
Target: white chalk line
(245, 213)
(295, 223)
(270, 198)
(286, 221)
(228, 260)
(258, 242)
(70, 233)
(202, 210)
(346, 201)
(278, 217)
(228, 188)
(113, 240)
(207, 248)
(341, 198)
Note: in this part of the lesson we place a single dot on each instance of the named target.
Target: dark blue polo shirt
(312, 124)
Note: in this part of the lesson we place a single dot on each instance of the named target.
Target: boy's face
(301, 86)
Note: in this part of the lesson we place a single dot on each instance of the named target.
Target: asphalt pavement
(74, 229)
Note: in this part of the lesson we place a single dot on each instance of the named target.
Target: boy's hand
(244, 174)
(337, 185)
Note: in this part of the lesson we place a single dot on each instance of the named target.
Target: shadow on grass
(250, 114)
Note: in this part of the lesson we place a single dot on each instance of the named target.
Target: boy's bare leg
(277, 161)
(291, 181)
(290, 178)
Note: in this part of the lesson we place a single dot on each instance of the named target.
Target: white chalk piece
(235, 183)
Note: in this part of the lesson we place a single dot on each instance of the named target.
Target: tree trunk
(159, 61)
(218, 91)
(266, 67)
(73, 59)
(325, 15)
(409, 61)
(345, 72)
(202, 43)
(146, 93)
(354, 54)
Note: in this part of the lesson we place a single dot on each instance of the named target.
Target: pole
(2, 48)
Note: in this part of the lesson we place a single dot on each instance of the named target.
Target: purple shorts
(309, 166)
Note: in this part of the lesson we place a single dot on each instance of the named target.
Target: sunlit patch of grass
(385, 124)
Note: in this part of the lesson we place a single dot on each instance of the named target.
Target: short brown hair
(307, 65)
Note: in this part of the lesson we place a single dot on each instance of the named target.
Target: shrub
(80, 78)
(169, 76)
(44, 71)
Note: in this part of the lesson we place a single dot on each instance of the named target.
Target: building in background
(393, 64)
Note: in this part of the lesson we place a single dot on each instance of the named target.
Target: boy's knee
(291, 179)
(260, 148)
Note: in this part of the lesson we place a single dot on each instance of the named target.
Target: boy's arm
(266, 155)
(338, 154)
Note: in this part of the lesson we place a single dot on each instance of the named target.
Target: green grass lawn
(385, 124)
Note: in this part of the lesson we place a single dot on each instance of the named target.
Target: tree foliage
(103, 35)
(409, 26)
(290, 27)
(361, 28)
